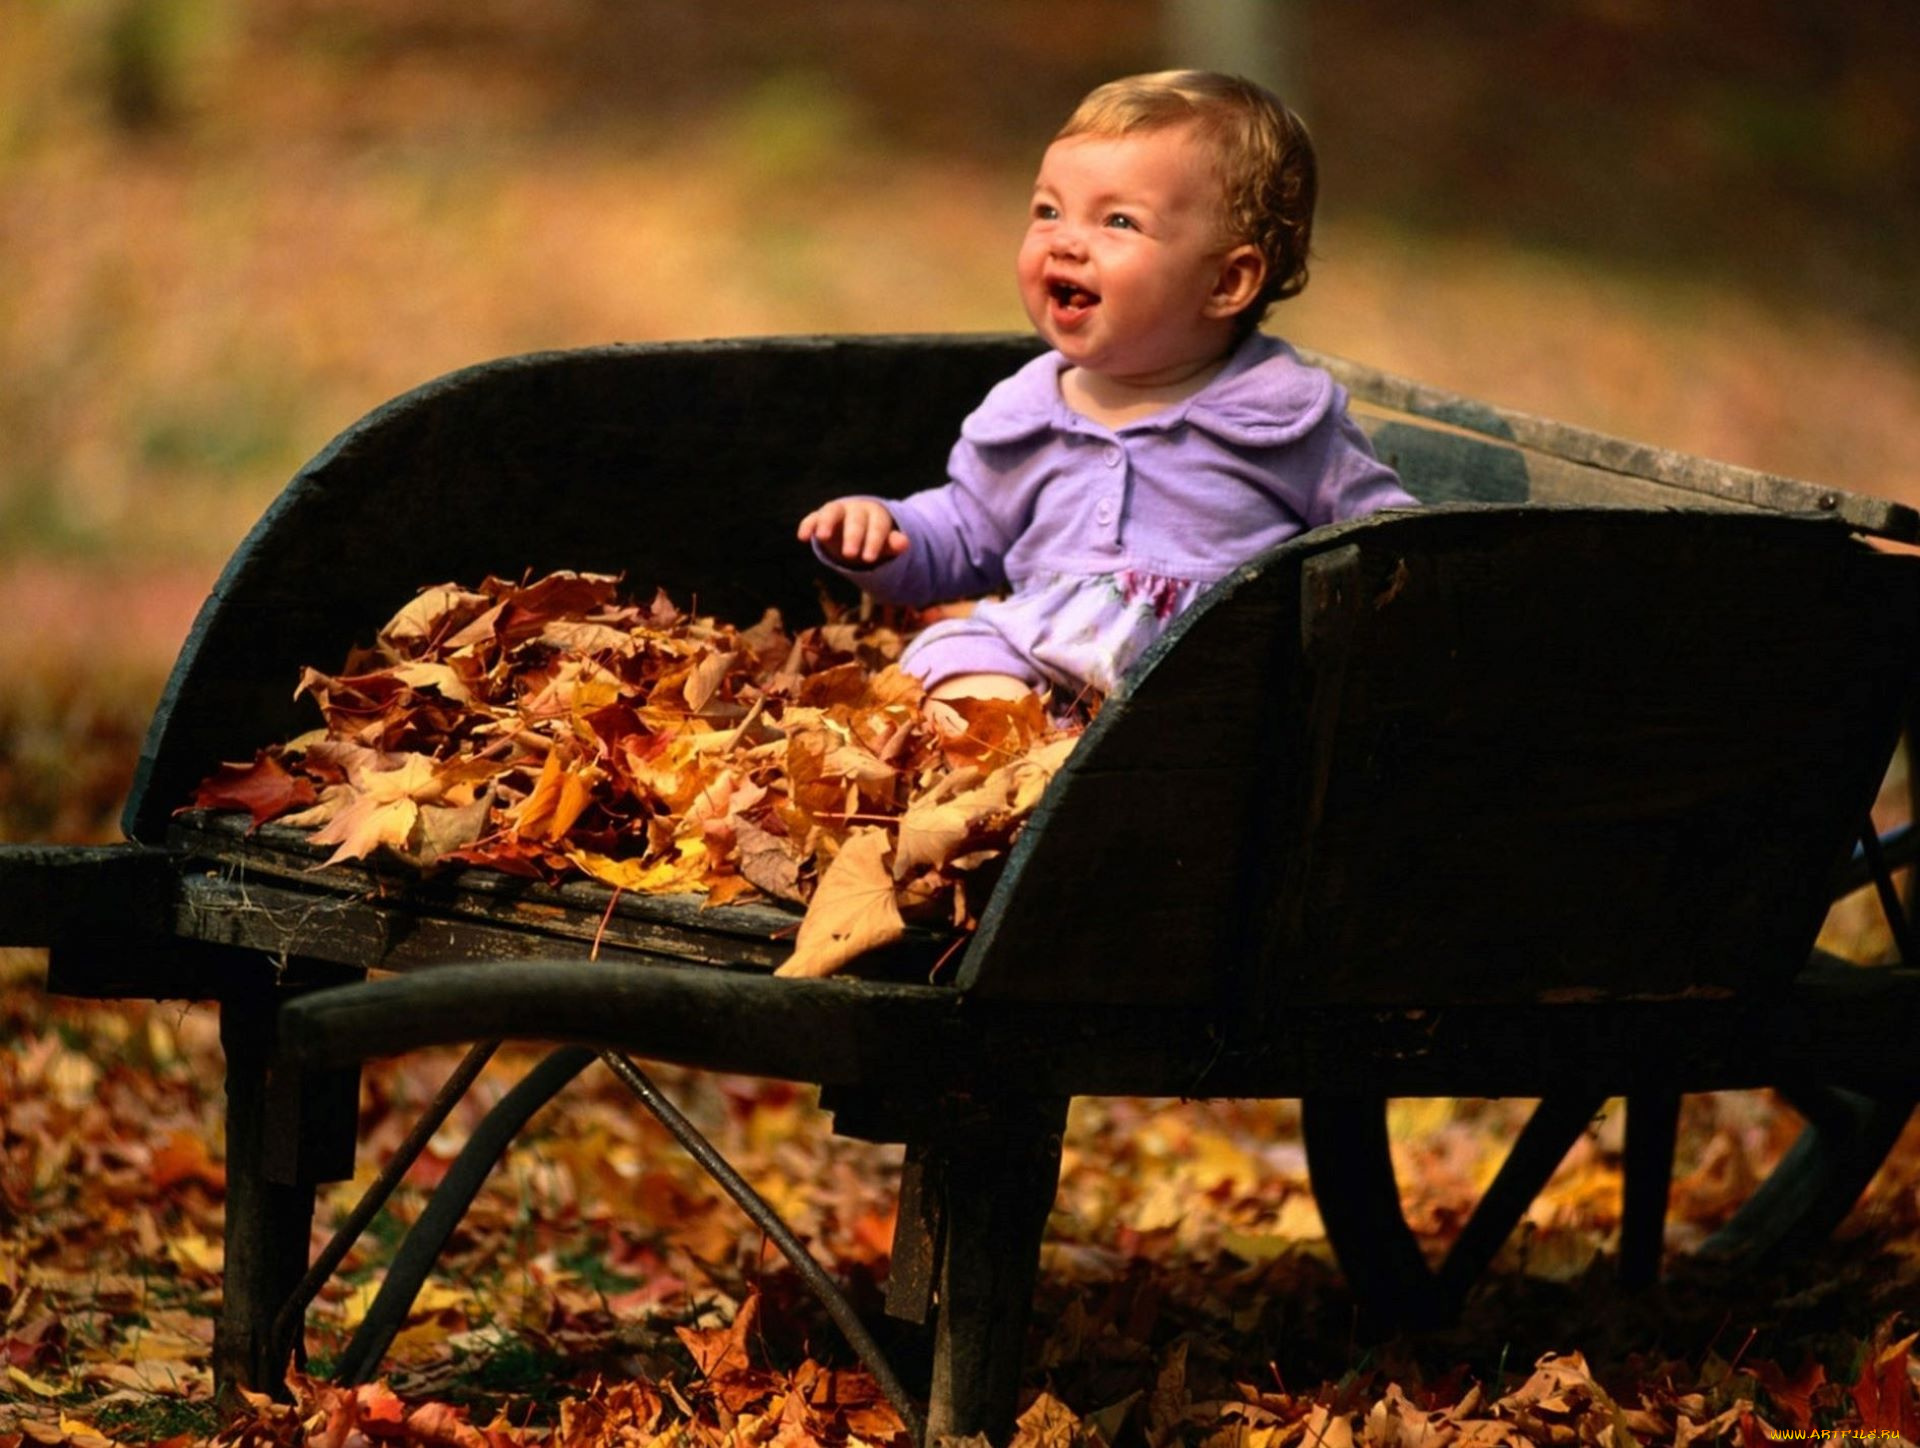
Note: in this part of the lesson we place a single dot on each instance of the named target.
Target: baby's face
(1123, 253)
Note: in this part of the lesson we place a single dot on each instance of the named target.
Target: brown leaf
(441, 1425)
(853, 909)
(433, 612)
(367, 824)
(704, 682)
(582, 637)
(997, 729)
(768, 860)
(384, 811)
(931, 834)
(1792, 1396)
(721, 1350)
(184, 1157)
(442, 829)
(1047, 1423)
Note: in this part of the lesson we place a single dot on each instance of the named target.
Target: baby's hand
(859, 530)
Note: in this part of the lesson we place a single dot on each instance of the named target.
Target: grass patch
(588, 1262)
(155, 1417)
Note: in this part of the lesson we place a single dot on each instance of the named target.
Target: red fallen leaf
(185, 1158)
(444, 1425)
(1791, 1397)
(502, 853)
(380, 1412)
(723, 1349)
(610, 1415)
(263, 789)
(874, 1231)
(1883, 1395)
(851, 1396)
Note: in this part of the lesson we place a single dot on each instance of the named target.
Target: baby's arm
(1353, 482)
(855, 531)
(939, 544)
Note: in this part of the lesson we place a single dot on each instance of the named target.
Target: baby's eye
(1045, 211)
(1120, 221)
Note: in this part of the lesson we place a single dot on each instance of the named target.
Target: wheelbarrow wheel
(1843, 1143)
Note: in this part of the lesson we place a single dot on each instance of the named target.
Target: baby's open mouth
(1071, 297)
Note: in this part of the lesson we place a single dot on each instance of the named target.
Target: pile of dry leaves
(549, 727)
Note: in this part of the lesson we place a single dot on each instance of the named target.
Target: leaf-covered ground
(602, 1290)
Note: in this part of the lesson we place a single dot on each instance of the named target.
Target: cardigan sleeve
(1352, 480)
(957, 539)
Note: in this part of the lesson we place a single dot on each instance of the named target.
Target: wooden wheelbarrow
(1542, 791)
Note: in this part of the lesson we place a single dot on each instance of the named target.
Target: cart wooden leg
(1350, 1161)
(995, 1166)
(1653, 1120)
(286, 1132)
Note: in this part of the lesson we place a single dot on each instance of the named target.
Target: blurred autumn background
(227, 231)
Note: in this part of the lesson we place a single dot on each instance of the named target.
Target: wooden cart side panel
(1440, 464)
(1131, 882)
(1621, 757)
(1486, 754)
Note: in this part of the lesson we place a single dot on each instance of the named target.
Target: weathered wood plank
(1838, 1024)
(397, 933)
(1679, 473)
(59, 892)
(474, 912)
(288, 854)
(998, 1171)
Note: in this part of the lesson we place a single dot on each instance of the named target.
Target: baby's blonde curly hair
(1261, 150)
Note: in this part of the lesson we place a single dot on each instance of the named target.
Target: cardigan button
(1103, 510)
(1111, 456)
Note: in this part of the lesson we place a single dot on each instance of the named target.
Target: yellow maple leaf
(683, 870)
(560, 795)
(38, 1386)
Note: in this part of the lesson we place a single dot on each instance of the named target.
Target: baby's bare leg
(969, 686)
(981, 686)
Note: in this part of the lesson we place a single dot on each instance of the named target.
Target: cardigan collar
(1265, 396)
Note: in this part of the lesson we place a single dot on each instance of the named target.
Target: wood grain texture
(1677, 473)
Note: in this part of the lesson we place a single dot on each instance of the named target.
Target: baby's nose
(1068, 241)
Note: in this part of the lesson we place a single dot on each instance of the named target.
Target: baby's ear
(1243, 272)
